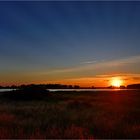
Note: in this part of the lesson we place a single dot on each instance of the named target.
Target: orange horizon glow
(97, 81)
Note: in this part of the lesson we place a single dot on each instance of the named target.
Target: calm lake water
(2, 90)
(53, 90)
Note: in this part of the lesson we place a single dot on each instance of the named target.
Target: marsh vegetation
(106, 114)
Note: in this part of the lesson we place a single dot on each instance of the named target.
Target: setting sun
(116, 82)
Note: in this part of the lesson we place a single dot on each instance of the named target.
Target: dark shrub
(30, 92)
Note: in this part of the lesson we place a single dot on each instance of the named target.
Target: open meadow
(76, 115)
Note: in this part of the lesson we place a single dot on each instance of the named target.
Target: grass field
(77, 115)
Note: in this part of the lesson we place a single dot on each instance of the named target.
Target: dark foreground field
(114, 114)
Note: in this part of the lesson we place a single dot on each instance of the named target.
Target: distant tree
(32, 87)
(76, 87)
(70, 86)
(134, 86)
(14, 87)
(122, 87)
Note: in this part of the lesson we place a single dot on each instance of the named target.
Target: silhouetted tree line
(60, 86)
(134, 86)
(42, 86)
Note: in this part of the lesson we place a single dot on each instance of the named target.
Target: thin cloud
(89, 62)
(98, 65)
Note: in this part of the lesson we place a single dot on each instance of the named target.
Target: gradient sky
(85, 43)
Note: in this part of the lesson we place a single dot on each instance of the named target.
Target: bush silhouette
(30, 92)
(134, 86)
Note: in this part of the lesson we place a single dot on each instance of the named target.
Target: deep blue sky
(50, 36)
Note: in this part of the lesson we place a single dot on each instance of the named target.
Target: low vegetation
(89, 115)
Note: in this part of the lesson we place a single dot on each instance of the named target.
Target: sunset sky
(84, 43)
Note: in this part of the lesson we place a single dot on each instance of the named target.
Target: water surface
(3, 90)
(53, 90)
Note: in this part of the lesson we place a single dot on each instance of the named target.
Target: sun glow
(116, 82)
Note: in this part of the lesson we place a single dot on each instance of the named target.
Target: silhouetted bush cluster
(25, 93)
(134, 86)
